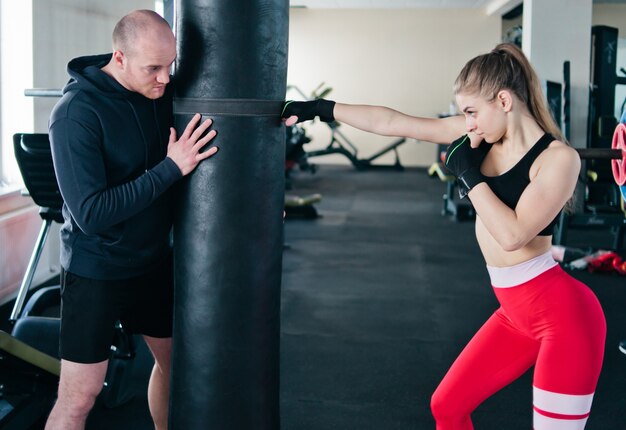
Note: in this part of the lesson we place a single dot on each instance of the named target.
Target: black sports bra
(510, 185)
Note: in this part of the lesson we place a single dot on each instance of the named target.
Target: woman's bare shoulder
(559, 153)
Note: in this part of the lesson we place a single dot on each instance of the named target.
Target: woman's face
(484, 118)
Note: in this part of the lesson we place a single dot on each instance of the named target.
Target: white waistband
(506, 277)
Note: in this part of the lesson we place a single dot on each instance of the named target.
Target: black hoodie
(109, 147)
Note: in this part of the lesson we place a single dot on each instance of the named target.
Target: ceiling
(384, 4)
(492, 6)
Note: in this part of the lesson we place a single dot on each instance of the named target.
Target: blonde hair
(506, 67)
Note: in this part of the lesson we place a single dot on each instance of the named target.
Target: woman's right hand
(294, 112)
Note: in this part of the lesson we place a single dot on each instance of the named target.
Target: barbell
(617, 154)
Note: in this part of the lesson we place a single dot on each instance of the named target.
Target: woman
(520, 176)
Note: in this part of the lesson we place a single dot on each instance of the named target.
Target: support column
(556, 31)
(232, 67)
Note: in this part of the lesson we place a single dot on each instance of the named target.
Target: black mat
(382, 293)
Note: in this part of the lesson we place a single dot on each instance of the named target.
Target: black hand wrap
(464, 162)
(306, 111)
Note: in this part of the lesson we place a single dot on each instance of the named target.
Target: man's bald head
(144, 49)
(129, 31)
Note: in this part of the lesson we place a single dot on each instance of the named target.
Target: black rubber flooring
(380, 294)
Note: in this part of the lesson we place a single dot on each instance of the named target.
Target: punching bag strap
(227, 107)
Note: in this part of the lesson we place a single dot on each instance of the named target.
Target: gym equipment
(301, 207)
(43, 92)
(29, 363)
(294, 151)
(296, 206)
(29, 356)
(29, 381)
(602, 119)
(583, 261)
(34, 159)
(340, 144)
(228, 232)
(618, 161)
(615, 221)
(603, 205)
(608, 262)
(553, 91)
(567, 110)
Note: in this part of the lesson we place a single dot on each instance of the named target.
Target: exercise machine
(29, 355)
(615, 221)
(29, 364)
(301, 207)
(602, 208)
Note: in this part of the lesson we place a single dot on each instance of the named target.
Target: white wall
(408, 59)
(405, 59)
(613, 15)
(64, 29)
(16, 73)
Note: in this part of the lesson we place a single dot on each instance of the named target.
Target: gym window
(16, 74)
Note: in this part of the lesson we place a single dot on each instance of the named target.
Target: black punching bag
(228, 240)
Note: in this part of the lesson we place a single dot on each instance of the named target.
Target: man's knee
(77, 404)
(80, 384)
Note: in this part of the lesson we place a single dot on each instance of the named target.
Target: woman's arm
(389, 122)
(540, 203)
(379, 120)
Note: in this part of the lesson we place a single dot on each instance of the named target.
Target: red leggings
(553, 322)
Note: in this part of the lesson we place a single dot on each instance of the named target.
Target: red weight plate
(619, 166)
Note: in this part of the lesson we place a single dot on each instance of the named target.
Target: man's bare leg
(79, 386)
(159, 385)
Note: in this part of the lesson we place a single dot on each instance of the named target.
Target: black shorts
(90, 309)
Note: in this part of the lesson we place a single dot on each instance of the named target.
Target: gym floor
(379, 296)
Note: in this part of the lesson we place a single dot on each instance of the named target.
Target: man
(114, 164)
